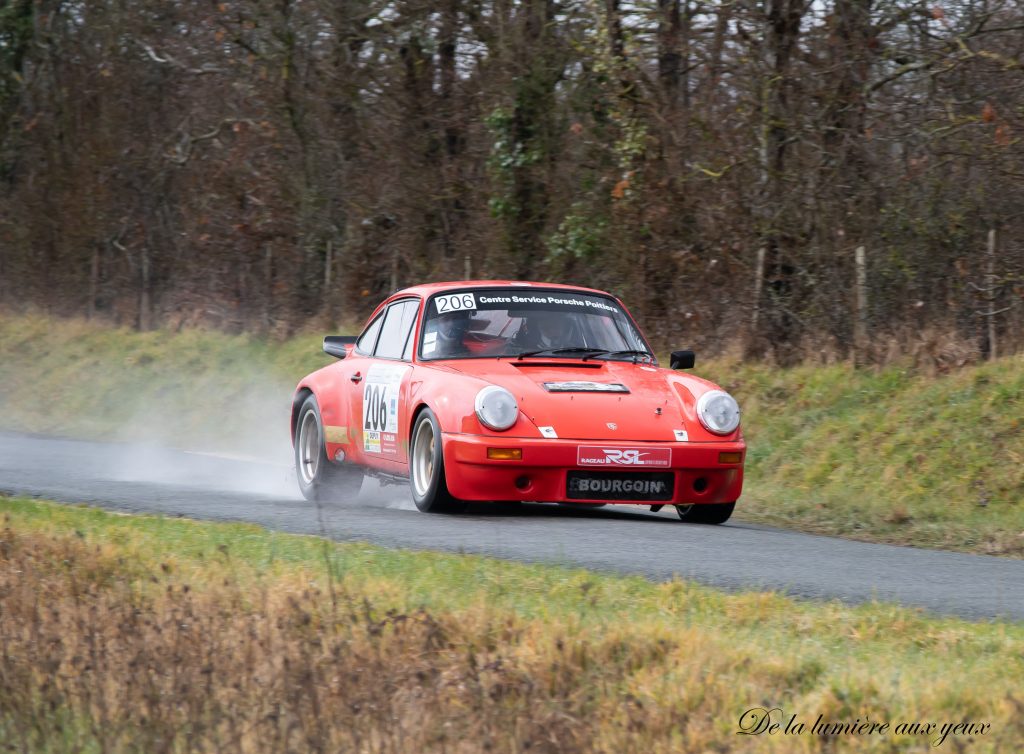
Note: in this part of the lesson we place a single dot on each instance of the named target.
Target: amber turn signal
(505, 454)
(732, 457)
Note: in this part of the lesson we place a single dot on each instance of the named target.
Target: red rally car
(514, 391)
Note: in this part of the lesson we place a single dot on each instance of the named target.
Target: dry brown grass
(98, 655)
(124, 634)
(92, 657)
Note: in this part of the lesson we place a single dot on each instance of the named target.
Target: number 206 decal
(380, 407)
(375, 407)
(456, 302)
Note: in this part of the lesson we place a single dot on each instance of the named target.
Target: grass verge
(889, 455)
(123, 633)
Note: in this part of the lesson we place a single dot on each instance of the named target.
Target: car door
(339, 410)
(379, 398)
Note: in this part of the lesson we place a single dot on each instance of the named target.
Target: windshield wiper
(572, 349)
(627, 352)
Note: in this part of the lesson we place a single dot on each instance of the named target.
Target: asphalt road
(616, 538)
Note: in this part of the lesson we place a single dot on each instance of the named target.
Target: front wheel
(426, 468)
(321, 480)
(707, 513)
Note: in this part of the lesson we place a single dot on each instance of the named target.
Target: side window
(395, 332)
(369, 337)
(410, 340)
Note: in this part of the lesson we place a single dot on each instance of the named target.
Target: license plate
(619, 485)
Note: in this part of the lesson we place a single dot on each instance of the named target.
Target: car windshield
(520, 323)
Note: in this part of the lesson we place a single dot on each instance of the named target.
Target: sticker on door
(380, 408)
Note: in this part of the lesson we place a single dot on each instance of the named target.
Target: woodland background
(274, 165)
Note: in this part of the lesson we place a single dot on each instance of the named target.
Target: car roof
(429, 289)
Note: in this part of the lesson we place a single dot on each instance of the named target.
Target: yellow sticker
(336, 434)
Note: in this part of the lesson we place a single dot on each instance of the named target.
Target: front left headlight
(496, 408)
(718, 412)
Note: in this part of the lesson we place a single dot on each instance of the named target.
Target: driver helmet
(552, 329)
(451, 326)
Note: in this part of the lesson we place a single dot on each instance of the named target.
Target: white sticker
(548, 432)
(430, 338)
(455, 302)
(681, 435)
(380, 405)
(428, 348)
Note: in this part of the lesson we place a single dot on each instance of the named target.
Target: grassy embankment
(886, 455)
(148, 634)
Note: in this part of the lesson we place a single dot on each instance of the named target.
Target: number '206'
(455, 303)
(375, 409)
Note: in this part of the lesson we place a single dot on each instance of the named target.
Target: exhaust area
(240, 444)
(193, 409)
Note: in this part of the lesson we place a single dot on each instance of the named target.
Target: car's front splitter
(698, 474)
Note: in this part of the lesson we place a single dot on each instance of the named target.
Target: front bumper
(541, 474)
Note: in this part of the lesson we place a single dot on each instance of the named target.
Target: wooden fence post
(325, 309)
(328, 263)
(860, 322)
(758, 285)
(268, 284)
(990, 294)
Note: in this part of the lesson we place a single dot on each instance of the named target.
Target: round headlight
(496, 408)
(718, 412)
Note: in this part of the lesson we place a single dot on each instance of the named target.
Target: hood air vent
(557, 364)
(580, 386)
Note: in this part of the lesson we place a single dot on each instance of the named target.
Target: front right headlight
(496, 408)
(718, 412)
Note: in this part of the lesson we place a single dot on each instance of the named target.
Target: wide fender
(326, 386)
(452, 397)
(689, 388)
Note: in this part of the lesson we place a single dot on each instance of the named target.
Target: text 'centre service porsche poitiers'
(546, 301)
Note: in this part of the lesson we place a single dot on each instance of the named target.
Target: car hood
(556, 394)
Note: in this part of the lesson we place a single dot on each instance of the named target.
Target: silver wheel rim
(682, 510)
(423, 459)
(309, 448)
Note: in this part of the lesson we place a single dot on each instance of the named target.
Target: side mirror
(335, 345)
(682, 359)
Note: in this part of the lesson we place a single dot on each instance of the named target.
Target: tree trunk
(782, 30)
(714, 67)
(668, 51)
(534, 109)
(451, 204)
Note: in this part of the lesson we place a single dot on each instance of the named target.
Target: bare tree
(253, 165)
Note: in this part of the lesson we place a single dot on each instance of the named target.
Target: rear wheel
(426, 468)
(320, 479)
(707, 513)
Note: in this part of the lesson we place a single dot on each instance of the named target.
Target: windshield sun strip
(619, 309)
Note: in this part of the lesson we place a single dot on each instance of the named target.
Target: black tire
(426, 468)
(320, 479)
(705, 513)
